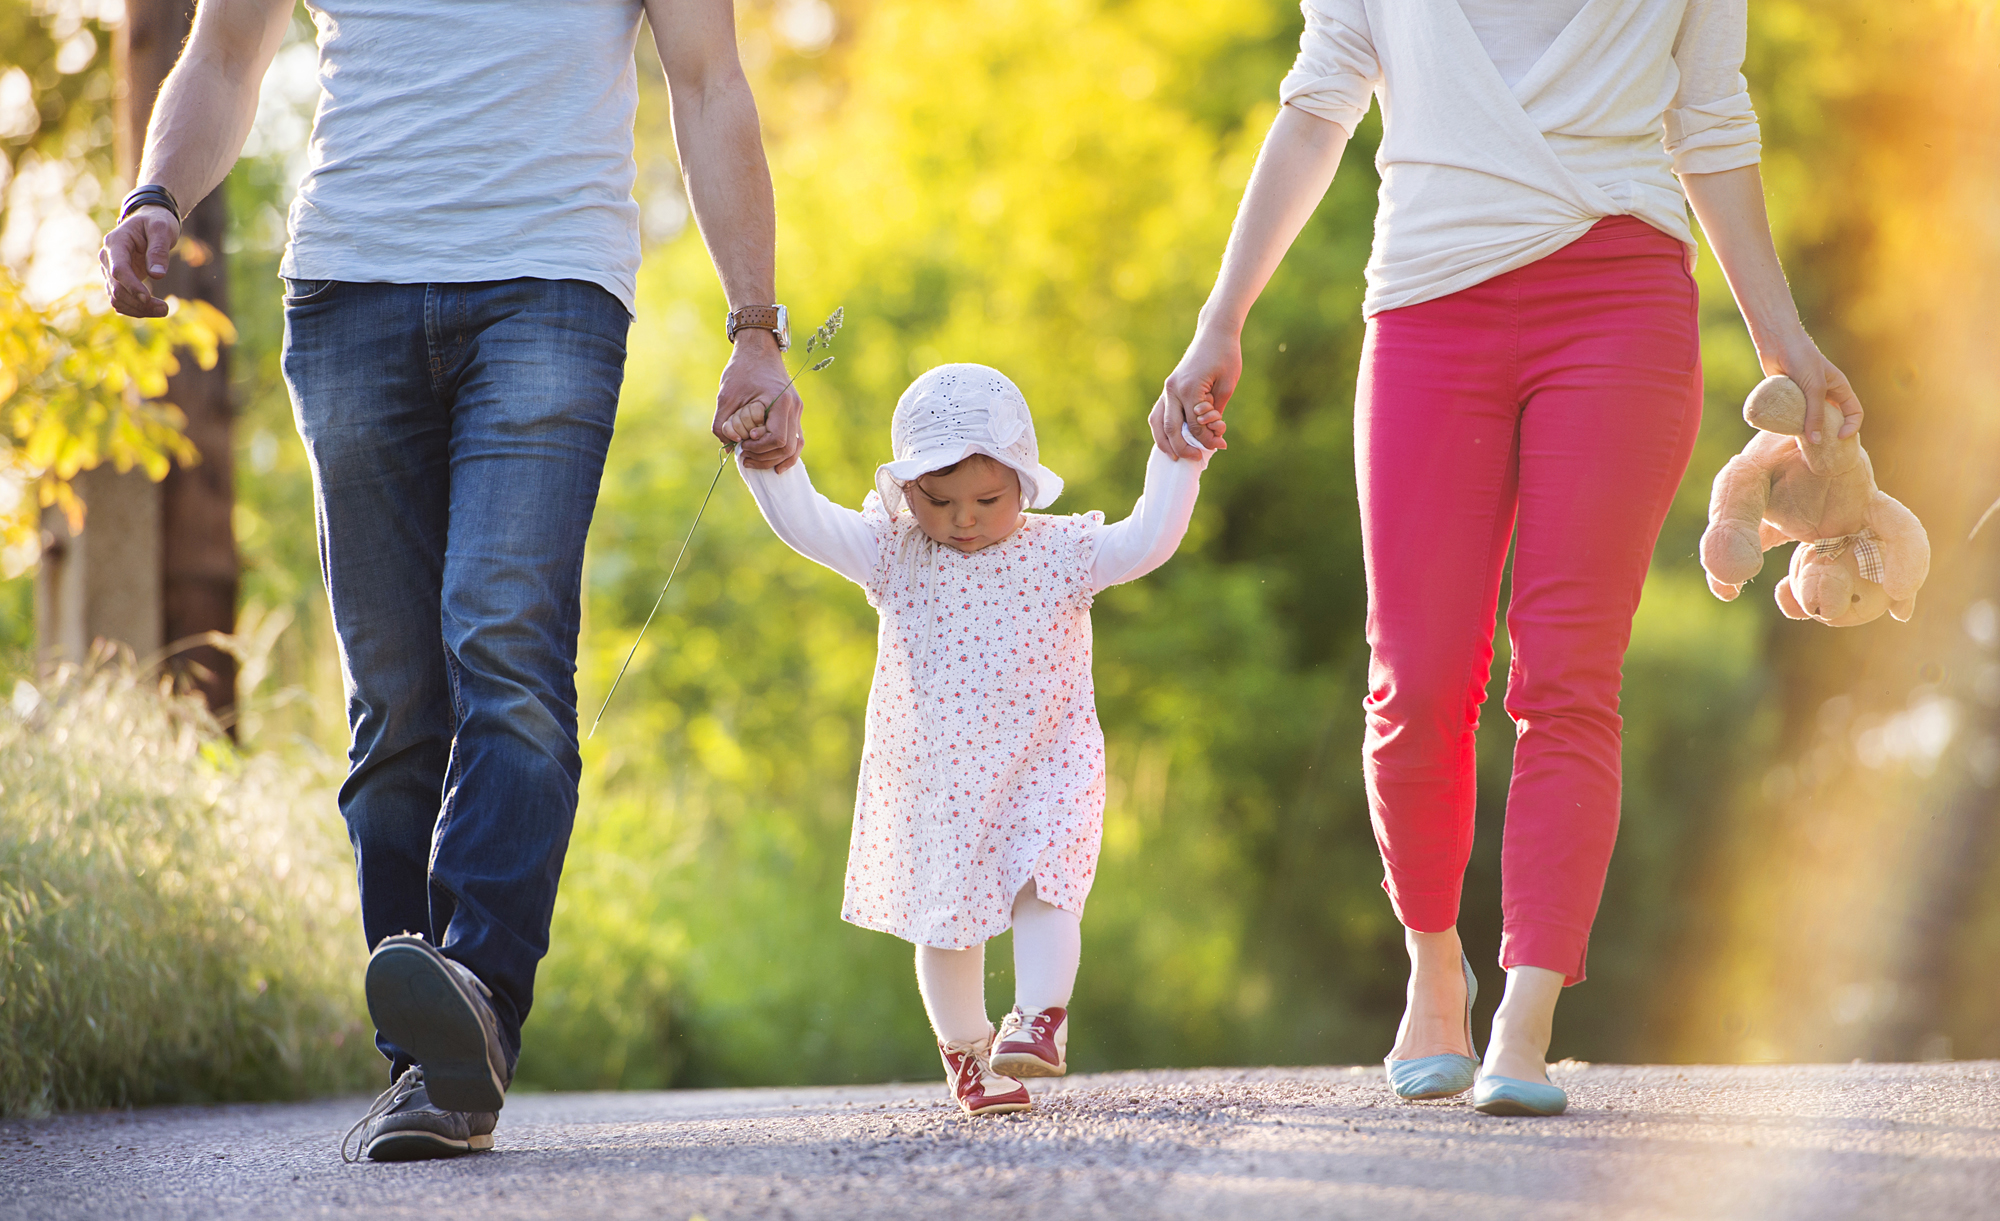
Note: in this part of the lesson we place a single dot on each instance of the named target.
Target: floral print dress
(984, 763)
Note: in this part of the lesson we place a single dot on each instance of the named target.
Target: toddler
(981, 798)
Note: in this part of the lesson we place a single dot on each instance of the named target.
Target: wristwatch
(772, 318)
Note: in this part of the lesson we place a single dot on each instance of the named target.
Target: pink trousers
(1556, 406)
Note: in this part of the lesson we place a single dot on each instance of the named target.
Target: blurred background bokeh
(1808, 867)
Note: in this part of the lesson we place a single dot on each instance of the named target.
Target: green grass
(177, 920)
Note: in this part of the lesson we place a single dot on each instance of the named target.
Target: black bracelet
(150, 197)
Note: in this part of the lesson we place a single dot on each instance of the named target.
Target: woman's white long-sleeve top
(1480, 176)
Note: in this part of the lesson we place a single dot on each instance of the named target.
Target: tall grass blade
(663, 594)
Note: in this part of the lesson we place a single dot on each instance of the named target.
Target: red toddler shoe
(978, 1089)
(1033, 1043)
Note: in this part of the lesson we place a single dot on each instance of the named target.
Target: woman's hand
(1800, 359)
(1196, 393)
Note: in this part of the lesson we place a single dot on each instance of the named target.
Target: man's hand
(134, 254)
(200, 120)
(1196, 394)
(754, 407)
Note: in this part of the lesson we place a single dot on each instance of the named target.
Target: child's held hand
(746, 424)
(1207, 429)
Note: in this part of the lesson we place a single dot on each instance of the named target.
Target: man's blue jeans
(457, 434)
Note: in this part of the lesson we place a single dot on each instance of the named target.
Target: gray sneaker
(403, 1126)
(440, 1013)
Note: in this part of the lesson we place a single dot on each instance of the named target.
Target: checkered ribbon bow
(1867, 551)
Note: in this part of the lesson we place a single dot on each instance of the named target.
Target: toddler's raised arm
(1142, 542)
(809, 523)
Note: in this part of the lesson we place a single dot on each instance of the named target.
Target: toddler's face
(970, 506)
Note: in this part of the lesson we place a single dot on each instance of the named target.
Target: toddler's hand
(746, 424)
(1206, 430)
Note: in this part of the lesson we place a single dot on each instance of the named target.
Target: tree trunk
(198, 566)
(100, 584)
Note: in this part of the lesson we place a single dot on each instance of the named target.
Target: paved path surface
(1890, 1141)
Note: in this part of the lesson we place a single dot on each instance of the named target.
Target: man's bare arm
(728, 180)
(200, 121)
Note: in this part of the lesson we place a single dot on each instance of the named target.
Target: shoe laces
(968, 1062)
(1033, 1021)
(971, 1074)
(388, 1100)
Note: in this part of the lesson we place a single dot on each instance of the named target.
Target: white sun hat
(953, 412)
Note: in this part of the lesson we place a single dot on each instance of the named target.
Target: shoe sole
(417, 1005)
(1019, 1064)
(417, 1145)
(1435, 1095)
(997, 1108)
(1509, 1107)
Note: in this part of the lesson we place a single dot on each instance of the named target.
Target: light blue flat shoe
(1513, 1096)
(1444, 1076)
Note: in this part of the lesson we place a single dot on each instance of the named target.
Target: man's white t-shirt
(467, 140)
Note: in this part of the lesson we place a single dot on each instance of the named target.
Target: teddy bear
(1859, 552)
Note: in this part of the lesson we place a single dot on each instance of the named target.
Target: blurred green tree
(1045, 186)
(968, 195)
(1847, 908)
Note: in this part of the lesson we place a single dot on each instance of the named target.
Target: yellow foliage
(80, 386)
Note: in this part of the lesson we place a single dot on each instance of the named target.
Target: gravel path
(1867, 1140)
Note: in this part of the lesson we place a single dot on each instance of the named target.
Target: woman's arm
(808, 522)
(1147, 539)
(1730, 207)
(1293, 171)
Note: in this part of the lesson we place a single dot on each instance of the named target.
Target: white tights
(1048, 943)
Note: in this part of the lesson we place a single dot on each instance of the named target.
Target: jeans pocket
(306, 292)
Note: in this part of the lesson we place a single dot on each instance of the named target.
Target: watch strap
(759, 317)
(151, 195)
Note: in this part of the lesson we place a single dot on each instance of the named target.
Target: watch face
(784, 329)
